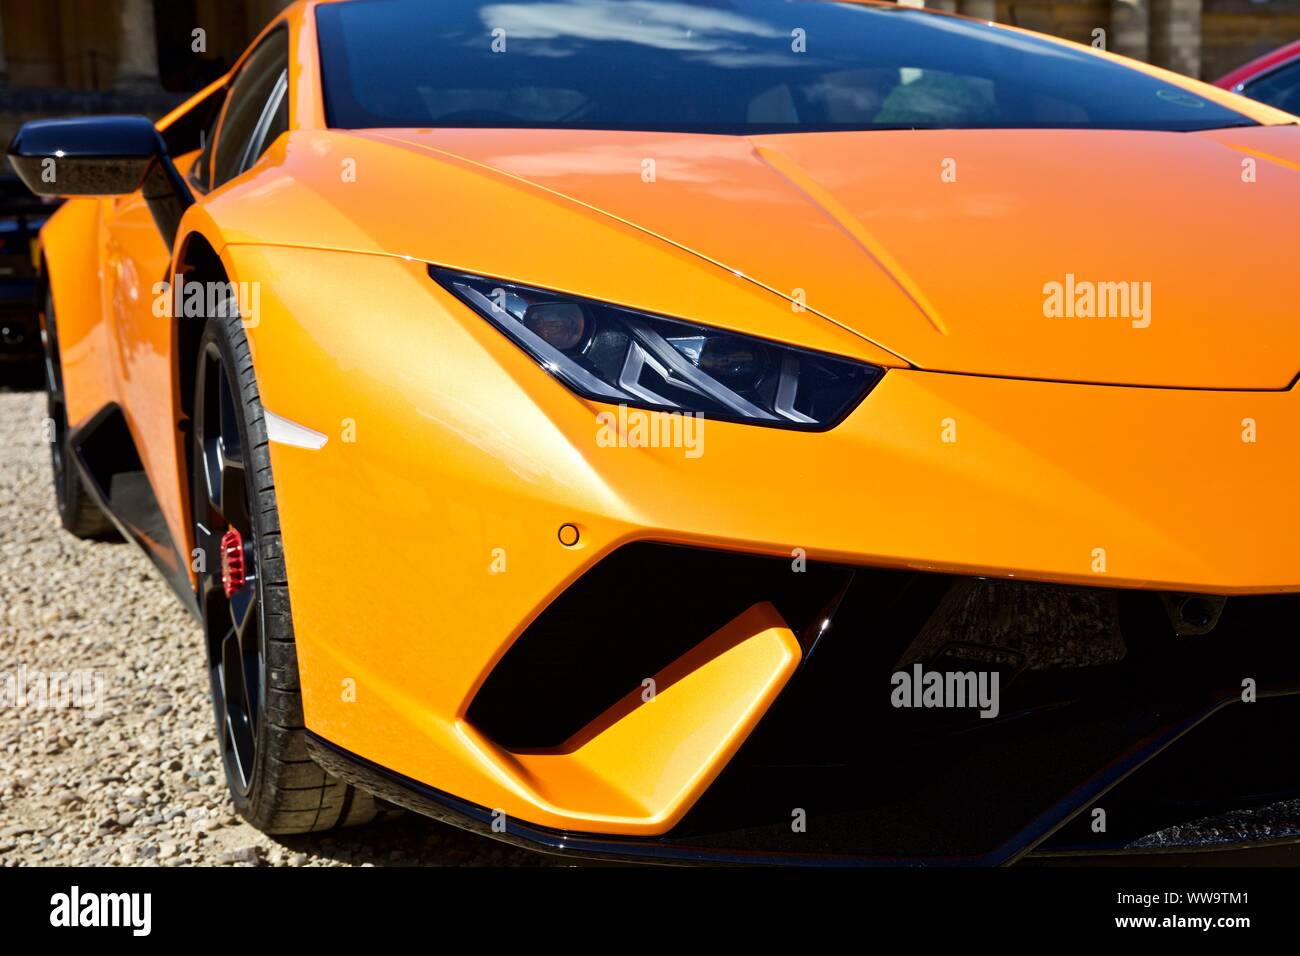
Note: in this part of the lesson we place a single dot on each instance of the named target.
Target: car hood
(1118, 257)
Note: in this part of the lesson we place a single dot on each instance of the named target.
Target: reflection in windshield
(721, 66)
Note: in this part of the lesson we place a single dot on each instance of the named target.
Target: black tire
(79, 511)
(275, 786)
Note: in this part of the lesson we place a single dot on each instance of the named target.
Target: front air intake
(623, 621)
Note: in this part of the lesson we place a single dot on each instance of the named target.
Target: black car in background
(21, 218)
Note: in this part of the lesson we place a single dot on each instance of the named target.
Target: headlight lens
(611, 354)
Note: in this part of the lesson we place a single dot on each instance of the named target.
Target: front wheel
(244, 601)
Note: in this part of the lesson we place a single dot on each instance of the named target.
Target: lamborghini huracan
(740, 431)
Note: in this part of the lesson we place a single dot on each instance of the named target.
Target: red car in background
(1273, 78)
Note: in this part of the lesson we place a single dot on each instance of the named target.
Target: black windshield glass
(720, 66)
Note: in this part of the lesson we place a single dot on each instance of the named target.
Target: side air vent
(626, 619)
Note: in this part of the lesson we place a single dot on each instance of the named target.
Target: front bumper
(1104, 708)
(421, 542)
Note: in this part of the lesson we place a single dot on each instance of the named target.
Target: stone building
(65, 57)
(68, 57)
(1201, 38)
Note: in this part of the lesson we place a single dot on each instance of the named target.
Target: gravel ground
(138, 781)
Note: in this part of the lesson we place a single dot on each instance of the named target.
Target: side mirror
(102, 156)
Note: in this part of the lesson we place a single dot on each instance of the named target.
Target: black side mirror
(102, 156)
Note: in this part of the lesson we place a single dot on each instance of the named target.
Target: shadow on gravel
(413, 840)
(21, 377)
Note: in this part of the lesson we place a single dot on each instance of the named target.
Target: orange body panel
(135, 263)
(70, 246)
(641, 765)
(999, 442)
(1040, 476)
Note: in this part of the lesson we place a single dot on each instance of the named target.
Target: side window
(1281, 88)
(275, 120)
(201, 171)
(258, 101)
(193, 130)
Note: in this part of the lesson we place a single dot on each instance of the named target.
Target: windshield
(721, 66)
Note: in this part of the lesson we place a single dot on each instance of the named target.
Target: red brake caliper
(232, 561)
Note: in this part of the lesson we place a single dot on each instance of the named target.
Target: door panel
(71, 244)
(141, 338)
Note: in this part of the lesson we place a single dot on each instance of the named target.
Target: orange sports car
(745, 430)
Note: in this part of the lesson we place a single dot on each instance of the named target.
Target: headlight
(611, 354)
